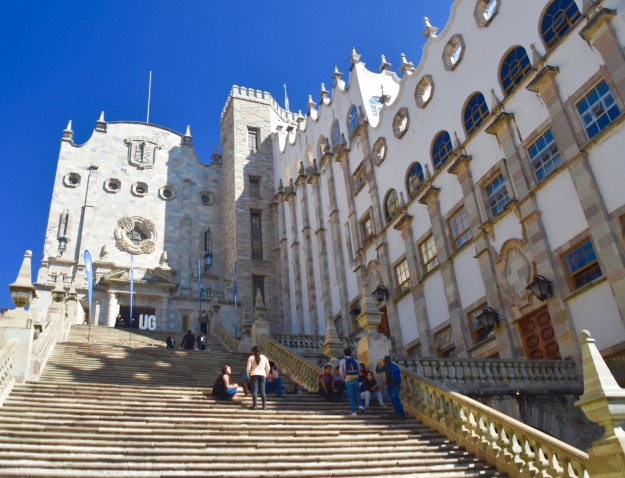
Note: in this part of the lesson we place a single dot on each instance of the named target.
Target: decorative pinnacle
(68, 134)
(101, 124)
(69, 126)
(429, 31)
(187, 138)
(311, 104)
(323, 93)
(337, 74)
(385, 65)
(101, 120)
(188, 132)
(406, 66)
(354, 57)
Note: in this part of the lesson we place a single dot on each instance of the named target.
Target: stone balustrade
(498, 375)
(297, 367)
(509, 445)
(220, 296)
(225, 337)
(310, 343)
(43, 347)
(7, 378)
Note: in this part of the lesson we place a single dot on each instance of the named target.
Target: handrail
(501, 441)
(43, 347)
(498, 375)
(310, 343)
(297, 367)
(225, 337)
(7, 378)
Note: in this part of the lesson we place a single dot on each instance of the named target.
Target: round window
(166, 193)
(113, 186)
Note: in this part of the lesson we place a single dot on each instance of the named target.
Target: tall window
(252, 139)
(444, 344)
(352, 120)
(459, 228)
(375, 105)
(258, 283)
(478, 330)
(402, 275)
(257, 235)
(254, 186)
(581, 264)
(336, 133)
(415, 178)
(428, 254)
(496, 195)
(391, 205)
(366, 227)
(597, 109)
(475, 112)
(559, 18)
(441, 149)
(544, 155)
(515, 67)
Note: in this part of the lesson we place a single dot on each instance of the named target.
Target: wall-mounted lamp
(380, 293)
(489, 318)
(355, 312)
(541, 288)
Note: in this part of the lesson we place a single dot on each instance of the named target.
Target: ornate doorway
(539, 336)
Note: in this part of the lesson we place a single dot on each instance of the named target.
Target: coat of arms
(141, 152)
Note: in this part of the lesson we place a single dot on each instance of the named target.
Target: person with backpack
(393, 383)
(349, 371)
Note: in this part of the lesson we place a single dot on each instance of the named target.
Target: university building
(450, 188)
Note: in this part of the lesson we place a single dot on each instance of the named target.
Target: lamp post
(380, 293)
(541, 288)
(489, 318)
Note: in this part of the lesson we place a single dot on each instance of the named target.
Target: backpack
(351, 369)
(395, 374)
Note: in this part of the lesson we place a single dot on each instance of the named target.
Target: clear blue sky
(72, 59)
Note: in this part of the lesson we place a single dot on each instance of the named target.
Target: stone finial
(402, 201)
(427, 174)
(300, 120)
(407, 67)
(68, 134)
(315, 168)
(291, 185)
(280, 186)
(337, 75)
(323, 94)
(215, 157)
(429, 31)
(456, 141)
(100, 125)
(312, 112)
(354, 57)
(383, 98)
(104, 252)
(187, 138)
(385, 65)
(163, 261)
(22, 290)
(538, 61)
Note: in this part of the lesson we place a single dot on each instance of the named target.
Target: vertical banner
(234, 296)
(199, 285)
(132, 285)
(89, 272)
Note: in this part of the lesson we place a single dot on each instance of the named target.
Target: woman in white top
(257, 370)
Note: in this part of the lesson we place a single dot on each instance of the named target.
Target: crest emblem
(141, 152)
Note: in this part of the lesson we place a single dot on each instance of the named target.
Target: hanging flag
(132, 284)
(89, 272)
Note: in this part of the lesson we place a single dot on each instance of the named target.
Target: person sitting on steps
(223, 389)
(274, 381)
(327, 387)
(368, 387)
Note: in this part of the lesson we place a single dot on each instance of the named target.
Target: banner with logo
(89, 272)
(132, 284)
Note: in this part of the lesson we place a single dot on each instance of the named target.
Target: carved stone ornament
(136, 245)
(141, 152)
(514, 270)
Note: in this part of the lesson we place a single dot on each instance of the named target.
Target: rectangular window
(544, 156)
(338, 325)
(358, 178)
(254, 186)
(252, 139)
(366, 225)
(597, 109)
(581, 264)
(496, 195)
(257, 235)
(402, 275)
(459, 228)
(429, 256)
(478, 330)
(443, 343)
(258, 283)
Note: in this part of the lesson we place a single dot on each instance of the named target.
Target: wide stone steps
(140, 410)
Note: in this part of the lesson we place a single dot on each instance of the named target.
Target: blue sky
(72, 59)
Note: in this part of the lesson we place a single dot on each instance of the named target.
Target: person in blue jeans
(349, 371)
(393, 384)
(274, 381)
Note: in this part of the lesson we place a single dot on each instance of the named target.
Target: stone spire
(22, 290)
(187, 138)
(215, 157)
(68, 134)
(312, 112)
(354, 58)
(385, 65)
(406, 67)
(429, 31)
(323, 94)
(100, 125)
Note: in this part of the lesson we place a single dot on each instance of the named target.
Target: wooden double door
(539, 336)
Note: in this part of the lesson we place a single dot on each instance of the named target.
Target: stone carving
(514, 270)
(125, 225)
(141, 152)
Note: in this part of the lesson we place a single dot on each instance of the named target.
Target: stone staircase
(107, 409)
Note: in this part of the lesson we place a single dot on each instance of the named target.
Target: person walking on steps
(349, 371)
(393, 383)
(257, 370)
(188, 341)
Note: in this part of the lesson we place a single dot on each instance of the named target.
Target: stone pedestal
(373, 346)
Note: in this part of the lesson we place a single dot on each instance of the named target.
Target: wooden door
(539, 336)
(384, 327)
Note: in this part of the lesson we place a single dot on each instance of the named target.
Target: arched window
(558, 19)
(352, 120)
(336, 133)
(475, 112)
(415, 178)
(391, 204)
(441, 149)
(514, 68)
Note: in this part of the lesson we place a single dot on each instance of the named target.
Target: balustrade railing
(207, 294)
(7, 378)
(310, 343)
(297, 367)
(43, 347)
(498, 375)
(501, 441)
(225, 337)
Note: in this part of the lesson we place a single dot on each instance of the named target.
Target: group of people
(360, 383)
(261, 376)
(189, 341)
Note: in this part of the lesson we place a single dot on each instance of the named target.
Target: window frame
(255, 186)
(571, 22)
(470, 120)
(352, 120)
(256, 234)
(525, 67)
(481, 332)
(444, 342)
(429, 261)
(253, 139)
(531, 157)
(255, 279)
(402, 277)
(587, 92)
(414, 186)
(571, 276)
(496, 209)
(437, 150)
(366, 237)
(466, 235)
(391, 210)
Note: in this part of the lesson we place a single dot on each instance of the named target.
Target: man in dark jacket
(393, 382)
(188, 341)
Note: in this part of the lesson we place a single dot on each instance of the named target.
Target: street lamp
(355, 312)
(380, 293)
(489, 318)
(208, 254)
(208, 260)
(541, 288)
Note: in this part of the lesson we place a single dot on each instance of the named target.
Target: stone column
(373, 346)
(284, 259)
(295, 255)
(112, 310)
